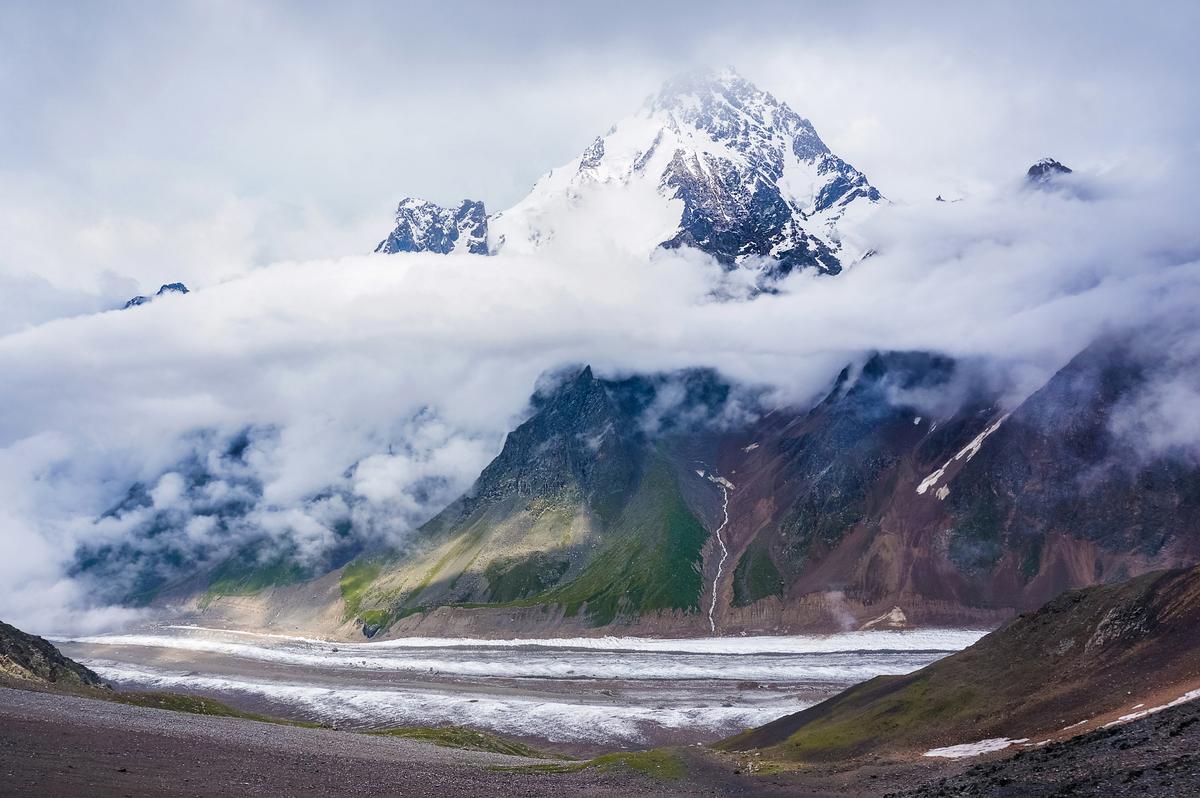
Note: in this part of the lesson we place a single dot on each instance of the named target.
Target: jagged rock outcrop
(1045, 172)
(30, 658)
(423, 226)
(169, 288)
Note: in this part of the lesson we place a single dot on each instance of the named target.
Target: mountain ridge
(871, 504)
(709, 162)
(1113, 650)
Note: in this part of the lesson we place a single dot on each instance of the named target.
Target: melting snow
(932, 479)
(968, 451)
(1191, 695)
(974, 749)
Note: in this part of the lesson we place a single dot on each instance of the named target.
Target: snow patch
(967, 452)
(1191, 695)
(974, 749)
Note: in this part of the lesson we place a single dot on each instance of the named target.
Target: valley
(590, 695)
(404, 400)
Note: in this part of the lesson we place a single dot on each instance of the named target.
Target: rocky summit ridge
(710, 161)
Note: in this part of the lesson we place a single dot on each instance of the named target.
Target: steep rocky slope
(169, 288)
(1154, 757)
(1088, 658)
(423, 226)
(908, 496)
(29, 658)
(586, 516)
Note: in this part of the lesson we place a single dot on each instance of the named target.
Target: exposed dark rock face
(422, 226)
(1056, 468)
(1045, 171)
(862, 429)
(1154, 757)
(592, 434)
(720, 218)
(738, 208)
(24, 656)
(169, 288)
(579, 436)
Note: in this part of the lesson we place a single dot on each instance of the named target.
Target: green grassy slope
(470, 739)
(644, 559)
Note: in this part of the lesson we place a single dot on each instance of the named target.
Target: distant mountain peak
(1046, 170)
(424, 226)
(730, 108)
(688, 88)
(710, 161)
(167, 288)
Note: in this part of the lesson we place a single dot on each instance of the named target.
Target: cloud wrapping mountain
(374, 389)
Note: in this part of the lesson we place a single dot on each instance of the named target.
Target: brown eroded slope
(1085, 659)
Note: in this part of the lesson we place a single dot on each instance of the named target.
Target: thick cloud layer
(150, 142)
(357, 396)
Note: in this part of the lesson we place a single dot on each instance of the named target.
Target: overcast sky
(139, 135)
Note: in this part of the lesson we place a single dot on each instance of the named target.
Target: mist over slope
(335, 405)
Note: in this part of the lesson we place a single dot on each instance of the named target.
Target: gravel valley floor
(66, 746)
(62, 746)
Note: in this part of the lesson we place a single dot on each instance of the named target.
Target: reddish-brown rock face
(864, 503)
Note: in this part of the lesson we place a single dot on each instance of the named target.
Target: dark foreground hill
(1086, 659)
(1156, 756)
(26, 657)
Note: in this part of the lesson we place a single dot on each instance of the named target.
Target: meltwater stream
(712, 608)
(611, 691)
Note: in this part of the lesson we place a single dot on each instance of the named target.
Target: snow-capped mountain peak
(424, 226)
(711, 162)
(731, 109)
(1046, 171)
(168, 288)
